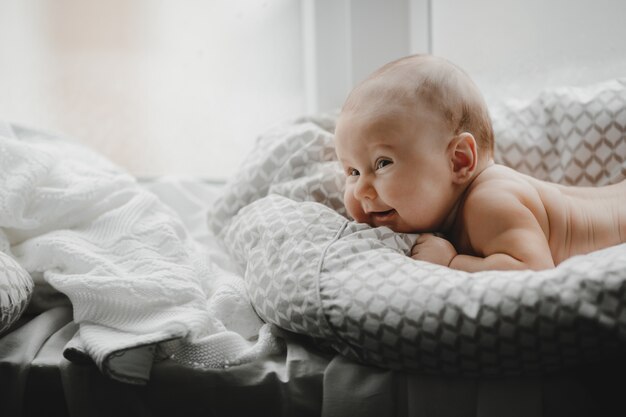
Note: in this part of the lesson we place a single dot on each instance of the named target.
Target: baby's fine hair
(439, 83)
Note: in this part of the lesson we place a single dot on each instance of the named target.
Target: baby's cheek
(353, 207)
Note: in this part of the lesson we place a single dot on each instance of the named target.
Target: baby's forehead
(381, 92)
(357, 132)
(377, 110)
(387, 112)
(373, 118)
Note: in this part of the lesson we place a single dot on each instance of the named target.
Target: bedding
(310, 270)
(567, 135)
(37, 380)
(134, 276)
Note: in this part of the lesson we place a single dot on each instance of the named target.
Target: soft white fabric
(125, 260)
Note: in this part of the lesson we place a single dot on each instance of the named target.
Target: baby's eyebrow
(342, 161)
(383, 143)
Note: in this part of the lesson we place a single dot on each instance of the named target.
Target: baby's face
(397, 170)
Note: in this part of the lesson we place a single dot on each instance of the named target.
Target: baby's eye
(353, 172)
(381, 163)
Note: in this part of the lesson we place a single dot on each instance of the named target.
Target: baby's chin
(397, 226)
(390, 221)
(401, 229)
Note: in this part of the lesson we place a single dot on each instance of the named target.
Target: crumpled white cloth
(133, 273)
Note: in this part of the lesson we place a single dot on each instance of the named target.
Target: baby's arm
(504, 231)
(501, 229)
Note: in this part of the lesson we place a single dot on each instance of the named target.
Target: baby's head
(410, 138)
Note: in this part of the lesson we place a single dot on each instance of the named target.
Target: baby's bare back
(577, 220)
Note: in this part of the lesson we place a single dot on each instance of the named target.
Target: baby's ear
(463, 156)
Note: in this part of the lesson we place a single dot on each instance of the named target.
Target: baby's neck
(448, 223)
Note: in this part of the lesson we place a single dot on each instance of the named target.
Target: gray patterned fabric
(574, 136)
(296, 160)
(312, 271)
(16, 288)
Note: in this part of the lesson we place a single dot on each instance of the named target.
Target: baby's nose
(364, 189)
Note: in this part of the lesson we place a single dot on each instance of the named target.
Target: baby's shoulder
(497, 188)
(497, 181)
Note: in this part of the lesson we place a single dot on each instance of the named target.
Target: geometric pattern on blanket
(573, 136)
(311, 271)
(16, 288)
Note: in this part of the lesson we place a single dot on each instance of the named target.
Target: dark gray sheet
(36, 380)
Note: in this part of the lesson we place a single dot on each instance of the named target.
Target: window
(157, 86)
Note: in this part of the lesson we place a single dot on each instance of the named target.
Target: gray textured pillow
(311, 271)
(16, 288)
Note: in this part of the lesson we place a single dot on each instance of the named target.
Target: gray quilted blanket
(312, 271)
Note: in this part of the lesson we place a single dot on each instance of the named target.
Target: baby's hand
(431, 248)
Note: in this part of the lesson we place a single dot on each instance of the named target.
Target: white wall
(514, 48)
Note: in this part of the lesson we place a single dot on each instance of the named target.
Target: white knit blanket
(130, 269)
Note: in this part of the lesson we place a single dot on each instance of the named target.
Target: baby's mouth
(382, 216)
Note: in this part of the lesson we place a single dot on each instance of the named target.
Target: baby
(416, 144)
